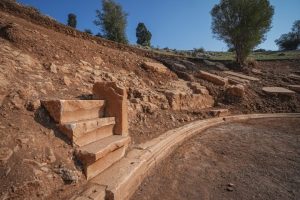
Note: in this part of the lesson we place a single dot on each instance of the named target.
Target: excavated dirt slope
(42, 59)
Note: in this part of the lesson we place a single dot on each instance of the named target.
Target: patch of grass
(268, 55)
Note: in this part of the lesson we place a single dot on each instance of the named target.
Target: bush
(88, 31)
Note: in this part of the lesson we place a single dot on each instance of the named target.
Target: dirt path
(257, 159)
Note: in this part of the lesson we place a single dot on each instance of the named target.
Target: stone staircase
(97, 128)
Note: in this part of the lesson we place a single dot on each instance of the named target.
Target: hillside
(42, 59)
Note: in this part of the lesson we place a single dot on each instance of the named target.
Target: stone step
(84, 132)
(277, 90)
(294, 77)
(237, 80)
(99, 155)
(295, 88)
(250, 78)
(66, 111)
(218, 80)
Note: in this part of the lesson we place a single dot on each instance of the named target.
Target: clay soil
(30, 43)
(256, 159)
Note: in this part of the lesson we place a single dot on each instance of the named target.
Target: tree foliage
(242, 24)
(72, 20)
(291, 40)
(112, 20)
(88, 31)
(143, 35)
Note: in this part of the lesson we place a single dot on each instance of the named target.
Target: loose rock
(5, 154)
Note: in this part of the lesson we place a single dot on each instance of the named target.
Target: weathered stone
(5, 154)
(99, 155)
(69, 176)
(116, 104)
(179, 67)
(51, 67)
(124, 177)
(237, 80)
(250, 78)
(85, 63)
(85, 132)
(98, 60)
(66, 81)
(294, 77)
(50, 155)
(49, 86)
(256, 71)
(65, 111)
(218, 80)
(209, 63)
(219, 112)
(236, 91)
(157, 67)
(182, 101)
(221, 66)
(277, 90)
(295, 88)
(197, 88)
(33, 105)
(2, 97)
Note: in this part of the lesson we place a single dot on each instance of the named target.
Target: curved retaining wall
(121, 180)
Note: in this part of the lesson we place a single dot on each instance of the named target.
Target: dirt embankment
(41, 59)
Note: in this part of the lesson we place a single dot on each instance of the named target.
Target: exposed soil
(256, 159)
(42, 59)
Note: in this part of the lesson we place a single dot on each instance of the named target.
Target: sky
(179, 24)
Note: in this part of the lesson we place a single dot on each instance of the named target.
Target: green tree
(143, 35)
(112, 20)
(72, 20)
(242, 24)
(291, 40)
(88, 31)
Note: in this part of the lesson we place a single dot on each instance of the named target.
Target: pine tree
(143, 35)
(72, 20)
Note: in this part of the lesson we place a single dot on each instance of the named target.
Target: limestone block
(116, 104)
(218, 80)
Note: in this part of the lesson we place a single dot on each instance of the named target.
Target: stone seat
(65, 111)
(99, 155)
(295, 88)
(277, 90)
(218, 80)
(237, 80)
(250, 78)
(87, 131)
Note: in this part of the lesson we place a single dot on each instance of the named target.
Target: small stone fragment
(5, 154)
(50, 155)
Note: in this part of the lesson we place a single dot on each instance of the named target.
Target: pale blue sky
(180, 24)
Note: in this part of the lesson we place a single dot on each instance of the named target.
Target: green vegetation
(88, 31)
(112, 20)
(267, 55)
(242, 24)
(143, 35)
(291, 40)
(72, 20)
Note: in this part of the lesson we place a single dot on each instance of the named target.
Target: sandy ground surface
(257, 159)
